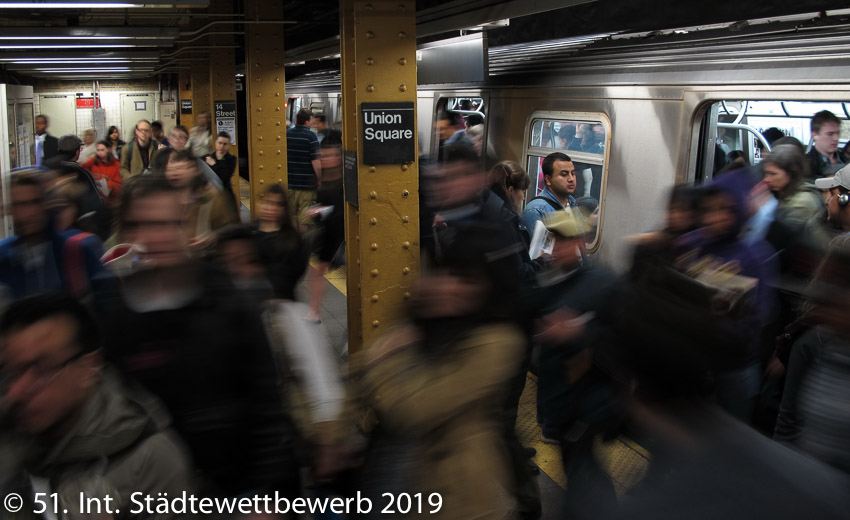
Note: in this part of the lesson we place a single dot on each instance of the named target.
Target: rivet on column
(406, 270)
(402, 35)
(402, 61)
(370, 88)
(406, 296)
(370, 61)
(374, 272)
(374, 246)
(376, 324)
(405, 245)
(373, 195)
(370, 34)
(405, 219)
(372, 169)
(405, 194)
(373, 221)
(405, 167)
(402, 87)
(375, 298)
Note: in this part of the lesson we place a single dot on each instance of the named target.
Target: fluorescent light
(61, 62)
(65, 37)
(105, 5)
(67, 46)
(64, 70)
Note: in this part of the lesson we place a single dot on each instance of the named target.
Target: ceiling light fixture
(107, 5)
(67, 46)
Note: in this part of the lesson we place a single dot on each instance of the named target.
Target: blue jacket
(535, 209)
(756, 260)
(52, 274)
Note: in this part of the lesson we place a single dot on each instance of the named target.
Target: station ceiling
(144, 38)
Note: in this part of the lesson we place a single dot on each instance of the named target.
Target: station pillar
(223, 88)
(223, 94)
(378, 65)
(265, 97)
(200, 74)
(186, 108)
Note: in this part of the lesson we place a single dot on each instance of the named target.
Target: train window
(743, 128)
(584, 139)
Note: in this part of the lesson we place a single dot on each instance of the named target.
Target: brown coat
(210, 211)
(131, 158)
(453, 405)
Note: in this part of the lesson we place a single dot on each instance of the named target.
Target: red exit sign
(87, 102)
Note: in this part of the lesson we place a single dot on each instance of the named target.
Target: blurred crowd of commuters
(179, 360)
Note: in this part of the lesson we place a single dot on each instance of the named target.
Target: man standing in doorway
(137, 155)
(46, 146)
(823, 156)
(303, 166)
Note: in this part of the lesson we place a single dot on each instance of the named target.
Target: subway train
(637, 113)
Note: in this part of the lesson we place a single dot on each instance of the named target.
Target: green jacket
(121, 445)
(131, 158)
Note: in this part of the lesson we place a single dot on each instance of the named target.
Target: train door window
(742, 130)
(317, 107)
(584, 138)
(461, 108)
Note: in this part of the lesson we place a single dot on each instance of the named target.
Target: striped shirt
(302, 147)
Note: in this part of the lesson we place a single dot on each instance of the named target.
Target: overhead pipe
(196, 38)
(231, 22)
(199, 47)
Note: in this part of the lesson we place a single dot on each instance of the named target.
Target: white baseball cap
(841, 178)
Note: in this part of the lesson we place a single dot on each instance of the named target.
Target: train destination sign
(389, 133)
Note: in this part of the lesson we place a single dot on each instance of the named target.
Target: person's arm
(317, 162)
(125, 161)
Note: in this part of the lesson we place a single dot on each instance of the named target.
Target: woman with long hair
(510, 182)
(104, 167)
(281, 248)
(113, 137)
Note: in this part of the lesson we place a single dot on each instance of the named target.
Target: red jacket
(110, 172)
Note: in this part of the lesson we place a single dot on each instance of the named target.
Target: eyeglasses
(42, 375)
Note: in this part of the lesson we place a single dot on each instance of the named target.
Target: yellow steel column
(187, 114)
(223, 87)
(378, 62)
(264, 85)
(200, 72)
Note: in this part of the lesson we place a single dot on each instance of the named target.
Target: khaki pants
(299, 201)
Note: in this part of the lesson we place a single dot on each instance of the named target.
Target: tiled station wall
(110, 100)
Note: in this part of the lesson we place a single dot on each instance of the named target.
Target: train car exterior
(661, 106)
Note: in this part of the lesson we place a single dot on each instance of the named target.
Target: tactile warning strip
(335, 277)
(624, 461)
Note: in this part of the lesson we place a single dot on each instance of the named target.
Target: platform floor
(624, 461)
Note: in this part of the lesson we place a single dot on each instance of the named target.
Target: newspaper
(542, 241)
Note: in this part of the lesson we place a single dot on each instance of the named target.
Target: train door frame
(484, 95)
(587, 158)
(697, 103)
